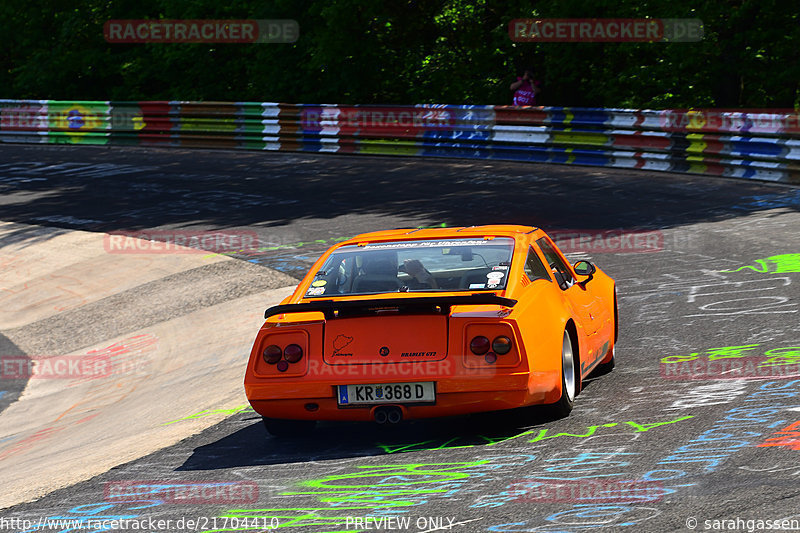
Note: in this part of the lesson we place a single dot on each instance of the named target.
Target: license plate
(387, 393)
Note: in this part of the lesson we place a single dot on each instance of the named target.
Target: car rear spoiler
(422, 305)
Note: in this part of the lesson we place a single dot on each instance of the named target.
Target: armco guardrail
(759, 144)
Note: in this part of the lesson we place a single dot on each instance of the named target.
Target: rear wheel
(288, 428)
(569, 379)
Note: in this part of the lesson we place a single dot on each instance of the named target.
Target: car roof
(497, 230)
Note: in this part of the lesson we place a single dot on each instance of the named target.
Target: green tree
(405, 52)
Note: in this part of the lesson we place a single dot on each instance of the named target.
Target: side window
(556, 264)
(534, 268)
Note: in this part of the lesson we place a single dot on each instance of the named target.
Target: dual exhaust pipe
(389, 414)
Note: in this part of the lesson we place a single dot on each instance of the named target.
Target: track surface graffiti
(539, 435)
(776, 264)
(373, 490)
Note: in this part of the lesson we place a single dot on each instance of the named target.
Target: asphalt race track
(673, 439)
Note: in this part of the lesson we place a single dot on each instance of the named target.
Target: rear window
(409, 266)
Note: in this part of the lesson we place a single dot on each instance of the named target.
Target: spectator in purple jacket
(526, 88)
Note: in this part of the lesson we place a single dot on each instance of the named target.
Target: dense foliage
(403, 52)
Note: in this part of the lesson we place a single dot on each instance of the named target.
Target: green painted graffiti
(352, 494)
(300, 516)
(427, 445)
(776, 264)
(713, 354)
(542, 434)
(787, 355)
(450, 444)
(377, 488)
(638, 428)
(211, 412)
(441, 473)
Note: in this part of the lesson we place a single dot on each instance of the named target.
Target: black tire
(288, 428)
(570, 378)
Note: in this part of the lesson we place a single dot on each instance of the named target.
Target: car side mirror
(585, 268)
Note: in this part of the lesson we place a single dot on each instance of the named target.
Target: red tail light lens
(479, 345)
(501, 345)
(293, 353)
(282, 366)
(272, 354)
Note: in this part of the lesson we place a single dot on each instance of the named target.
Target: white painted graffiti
(712, 394)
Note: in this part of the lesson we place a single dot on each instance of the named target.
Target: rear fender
(542, 320)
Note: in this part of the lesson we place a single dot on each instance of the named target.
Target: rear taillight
(281, 357)
(283, 352)
(272, 354)
(490, 351)
(293, 353)
(501, 345)
(479, 345)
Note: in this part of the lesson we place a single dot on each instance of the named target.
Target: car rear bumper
(318, 401)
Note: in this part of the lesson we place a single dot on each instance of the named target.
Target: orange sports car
(423, 323)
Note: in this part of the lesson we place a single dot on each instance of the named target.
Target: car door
(586, 308)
